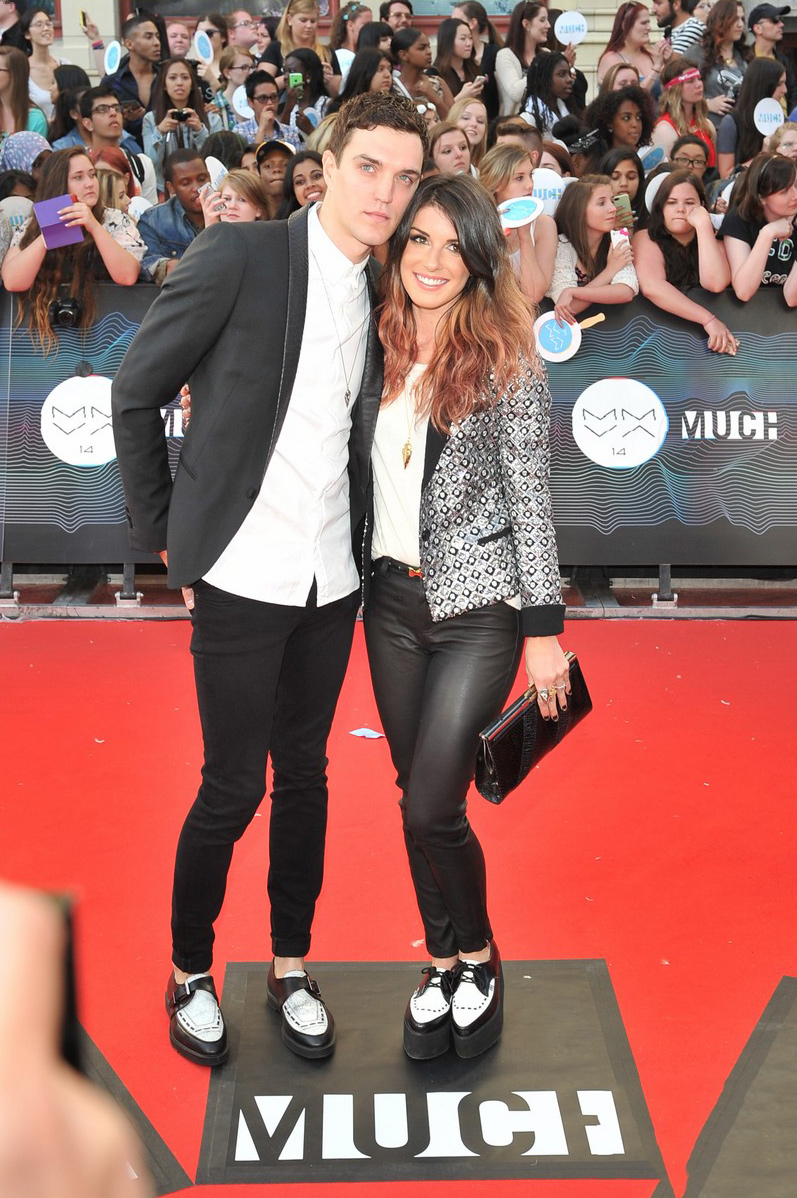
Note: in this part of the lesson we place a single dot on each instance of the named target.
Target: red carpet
(662, 838)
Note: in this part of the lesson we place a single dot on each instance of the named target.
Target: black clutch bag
(520, 737)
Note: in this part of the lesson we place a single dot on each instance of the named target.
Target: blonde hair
(777, 137)
(283, 35)
(250, 188)
(499, 165)
(320, 138)
(112, 186)
(455, 112)
(228, 57)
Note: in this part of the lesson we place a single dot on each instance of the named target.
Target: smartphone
(296, 80)
(618, 236)
(83, 17)
(622, 204)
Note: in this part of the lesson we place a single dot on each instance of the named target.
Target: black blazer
(229, 320)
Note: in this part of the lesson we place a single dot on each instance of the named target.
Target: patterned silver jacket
(486, 528)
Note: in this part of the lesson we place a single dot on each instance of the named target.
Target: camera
(64, 313)
(179, 114)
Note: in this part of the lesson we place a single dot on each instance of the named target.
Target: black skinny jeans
(436, 687)
(268, 678)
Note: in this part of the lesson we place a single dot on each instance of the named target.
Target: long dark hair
(71, 82)
(477, 12)
(516, 34)
(364, 66)
(539, 90)
(486, 332)
(611, 160)
(289, 202)
(371, 35)
(766, 174)
(445, 49)
(760, 81)
(161, 104)
(18, 100)
(72, 267)
(315, 72)
(571, 212)
(681, 262)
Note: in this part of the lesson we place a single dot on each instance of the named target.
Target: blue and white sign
(113, 56)
(570, 28)
(768, 116)
(520, 211)
(202, 47)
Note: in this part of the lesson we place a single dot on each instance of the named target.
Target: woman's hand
(91, 30)
(547, 669)
(194, 122)
(206, 72)
(212, 208)
(720, 338)
(472, 89)
(661, 53)
(570, 54)
(563, 312)
(168, 124)
(329, 74)
(699, 218)
(720, 105)
(619, 256)
(780, 229)
(79, 215)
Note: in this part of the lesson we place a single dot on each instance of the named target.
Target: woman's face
(736, 29)
(241, 68)
(625, 178)
(691, 158)
(304, 27)
(521, 183)
(692, 90)
(682, 200)
(538, 28)
(357, 24)
(463, 42)
(82, 180)
(40, 30)
(178, 84)
(639, 33)
(262, 37)
(294, 67)
(562, 81)
(432, 270)
(179, 40)
(237, 209)
(249, 162)
(600, 212)
(309, 184)
(702, 9)
(213, 33)
(473, 122)
(780, 90)
(787, 145)
(625, 77)
(382, 80)
(550, 163)
(384, 44)
(452, 152)
(781, 204)
(626, 127)
(419, 54)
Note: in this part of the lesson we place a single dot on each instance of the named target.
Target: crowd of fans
(131, 151)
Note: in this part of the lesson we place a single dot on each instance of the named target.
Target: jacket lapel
(435, 444)
(366, 407)
(298, 264)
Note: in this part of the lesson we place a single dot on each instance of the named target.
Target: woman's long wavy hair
(72, 268)
(18, 100)
(516, 33)
(571, 221)
(718, 25)
(624, 20)
(671, 102)
(341, 21)
(446, 34)
(681, 262)
(486, 332)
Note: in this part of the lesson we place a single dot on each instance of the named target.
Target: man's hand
(188, 592)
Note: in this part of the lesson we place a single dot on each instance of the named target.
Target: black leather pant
(437, 686)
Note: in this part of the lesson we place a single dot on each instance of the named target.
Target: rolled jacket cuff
(543, 619)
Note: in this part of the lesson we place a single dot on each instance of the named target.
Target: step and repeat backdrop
(661, 450)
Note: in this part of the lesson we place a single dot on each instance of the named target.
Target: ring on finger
(545, 694)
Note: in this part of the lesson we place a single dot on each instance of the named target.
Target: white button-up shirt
(298, 528)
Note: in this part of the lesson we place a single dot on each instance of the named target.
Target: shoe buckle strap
(184, 991)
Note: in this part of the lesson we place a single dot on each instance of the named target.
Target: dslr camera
(179, 114)
(64, 312)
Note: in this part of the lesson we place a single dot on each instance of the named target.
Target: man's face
(241, 29)
(370, 187)
(399, 16)
(145, 42)
(187, 178)
(769, 30)
(663, 12)
(106, 117)
(179, 40)
(272, 172)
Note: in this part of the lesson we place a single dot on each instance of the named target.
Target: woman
(678, 251)
(784, 140)
(240, 198)
(370, 71)
(449, 149)
(486, 44)
(215, 26)
(304, 183)
(115, 178)
(507, 175)
(738, 140)
(413, 76)
(588, 268)
(629, 42)
(759, 231)
(37, 28)
(228, 147)
(178, 119)
(690, 154)
(549, 92)
(456, 61)
(622, 74)
(722, 57)
(554, 157)
(623, 119)
(470, 115)
(111, 247)
(525, 39)
(298, 29)
(235, 67)
(376, 35)
(68, 86)
(16, 111)
(682, 109)
(626, 173)
(304, 108)
(347, 24)
(453, 555)
(22, 151)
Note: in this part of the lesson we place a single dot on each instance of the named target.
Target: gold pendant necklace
(406, 449)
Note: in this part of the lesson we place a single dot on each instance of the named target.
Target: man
(133, 81)
(169, 228)
(513, 131)
(179, 39)
(766, 24)
(686, 30)
(272, 159)
(396, 13)
(263, 96)
(285, 386)
(241, 29)
(101, 126)
(10, 29)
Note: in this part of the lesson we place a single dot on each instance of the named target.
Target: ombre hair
(484, 338)
(249, 187)
(499, 165)
(17, 98)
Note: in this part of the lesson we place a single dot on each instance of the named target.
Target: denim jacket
(167, 231)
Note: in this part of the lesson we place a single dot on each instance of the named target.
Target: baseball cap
(766, 12)
(275, 143)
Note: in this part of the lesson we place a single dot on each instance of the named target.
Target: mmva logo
(729, 425)
(295, 1132)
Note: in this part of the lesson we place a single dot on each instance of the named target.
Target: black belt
(387, 565)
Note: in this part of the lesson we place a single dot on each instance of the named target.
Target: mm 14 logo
(448, 1125)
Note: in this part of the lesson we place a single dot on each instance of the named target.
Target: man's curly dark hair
(374, 110)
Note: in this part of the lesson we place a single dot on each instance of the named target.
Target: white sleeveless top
(397, 490)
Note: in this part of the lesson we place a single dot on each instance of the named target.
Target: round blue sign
(554, 338)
